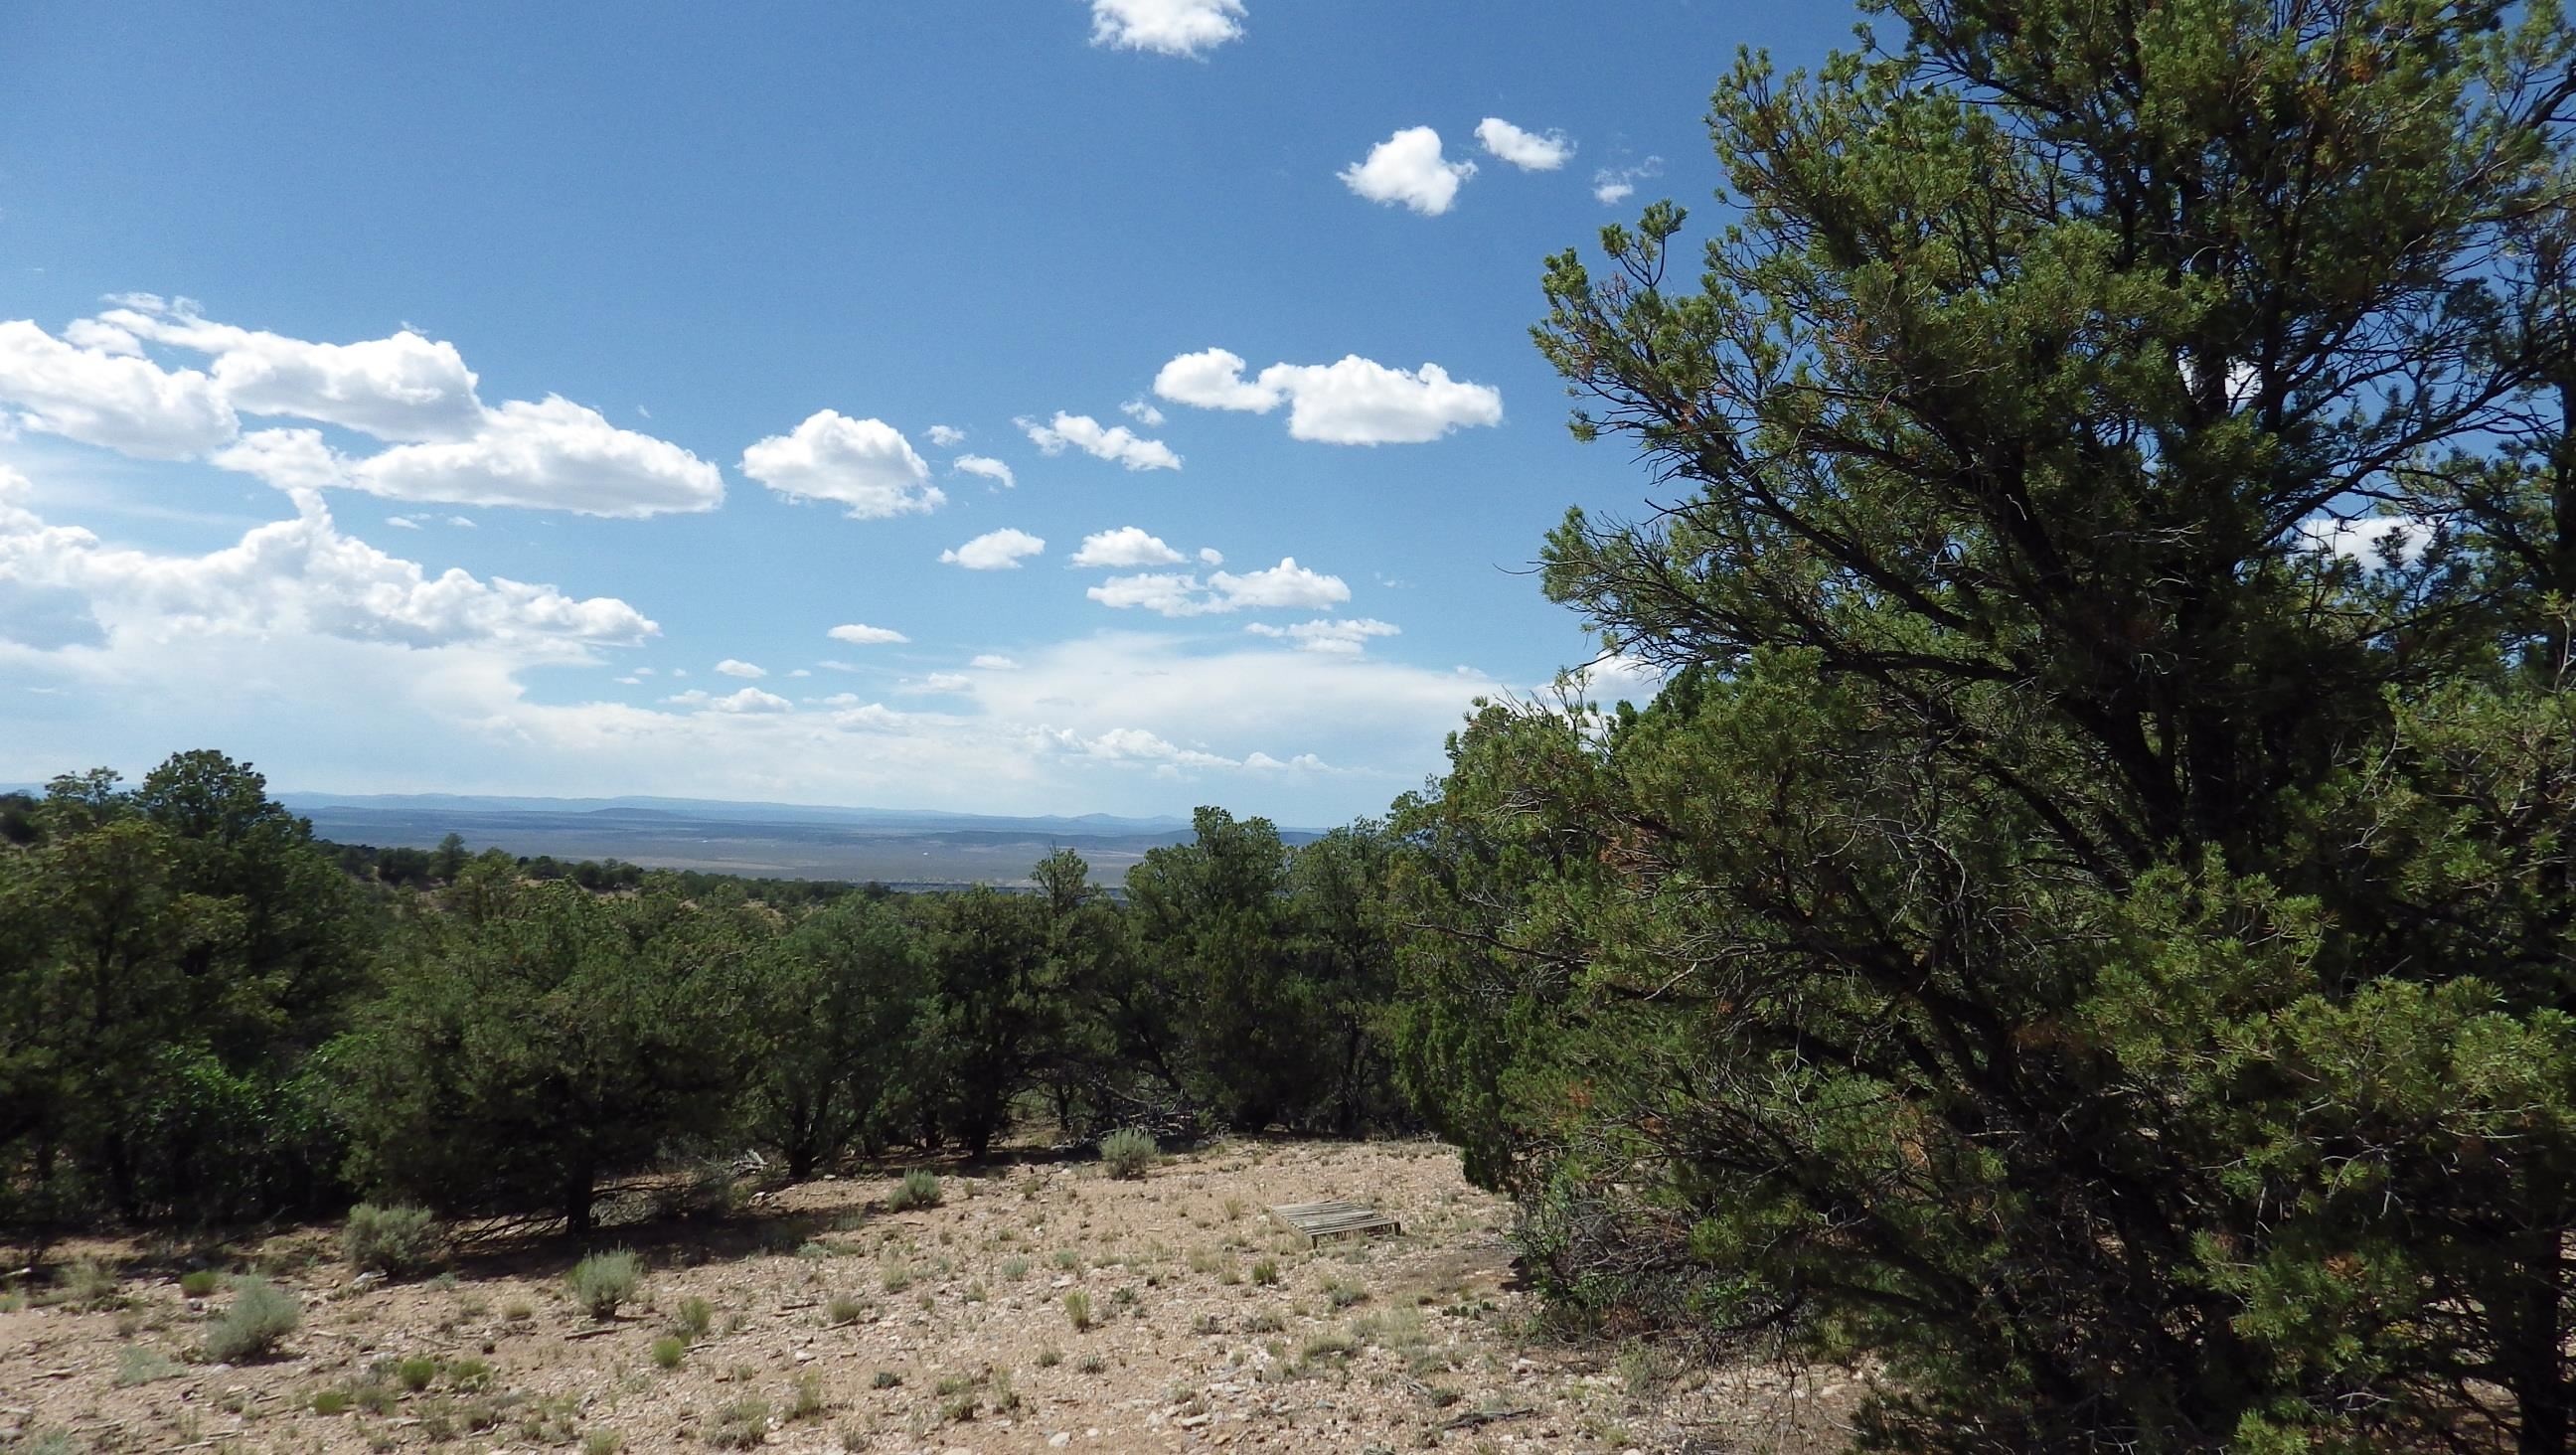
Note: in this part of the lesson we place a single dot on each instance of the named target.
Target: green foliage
(397, 1241)
(992, 1015)
(1128, 1152)
(136, 1364)
(1077, 1308)
(603, 1282)
(669, 1350)
(835, 1009)
(693, 1318)
(919, 1188)
(535, 1036)
(741, 1424)
(2059, 932)
(259, 1318)
(200, 1282)
(168, 959)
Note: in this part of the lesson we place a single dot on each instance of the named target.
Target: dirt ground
(832, 1323)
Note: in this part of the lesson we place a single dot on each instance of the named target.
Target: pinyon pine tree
(2087, 919)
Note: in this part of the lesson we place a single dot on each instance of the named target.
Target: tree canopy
(2086, 919)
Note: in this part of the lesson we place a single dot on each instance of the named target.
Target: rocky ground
(832, 1323)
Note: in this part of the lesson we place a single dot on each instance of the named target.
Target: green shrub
(603, 1281)
(808, 1400)
(470, 1374)
(885, 1379)
(919, 1188)
(396, 1241)
(1129, 1153)
(602, 1442)
(1077, 1307)
(741, 1425)
(1266, 1272)
(669, 1349)
(89, 1284)
(261, 1316)
(844, 1308)
(331, 1401)
(694, 1317)
(138, 1365)
(415, 1372)
(200, 1282)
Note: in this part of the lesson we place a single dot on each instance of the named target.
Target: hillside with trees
(206, 1018)
(2084, 934)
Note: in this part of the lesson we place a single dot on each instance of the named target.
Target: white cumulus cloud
(1408, 170)
(859, 634)
(1528, 150)
(865, 464)
(1174, 594)
(118, 401)
(1119, 445)
(297, 578)
(736, 667)
(1614, 185)
(1166, 27)
(99, 384)
(1143, 412)
(945, 436)
(1348, 637)
(404, 387)
(551, 455)
(986, 466)
(1356, 401)
(1125, 548)
(997, 550)
(749, 699)
(994, 662)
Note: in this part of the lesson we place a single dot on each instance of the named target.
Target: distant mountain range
(906, 848)
(643, 808)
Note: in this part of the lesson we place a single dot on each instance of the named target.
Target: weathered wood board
(1321, 1220)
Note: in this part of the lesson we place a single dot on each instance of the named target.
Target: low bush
(919, 1188)
(261, 1316)
(395, 1241)
(1129, 1153)
(694, 1317)
(741, 1425)
(602, 1282)
(1077, 1307)
(669, 1350)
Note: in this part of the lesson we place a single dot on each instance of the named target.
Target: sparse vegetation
(740, 1425)
(918, 1189)
(669, 1350)
(1129, 1153)
(1077, 1308)
(692, 1318)
(397, 1241)
(136, 1364)
(603, 1283)
(259, 1319)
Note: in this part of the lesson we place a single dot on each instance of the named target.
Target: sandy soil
(836, 1324)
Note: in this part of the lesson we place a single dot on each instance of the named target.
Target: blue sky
(516, 399)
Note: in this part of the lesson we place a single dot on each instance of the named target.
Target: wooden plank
(1321, 1220)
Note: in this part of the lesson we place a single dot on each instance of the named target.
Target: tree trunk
(577, 1199)
(2534, 1340)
